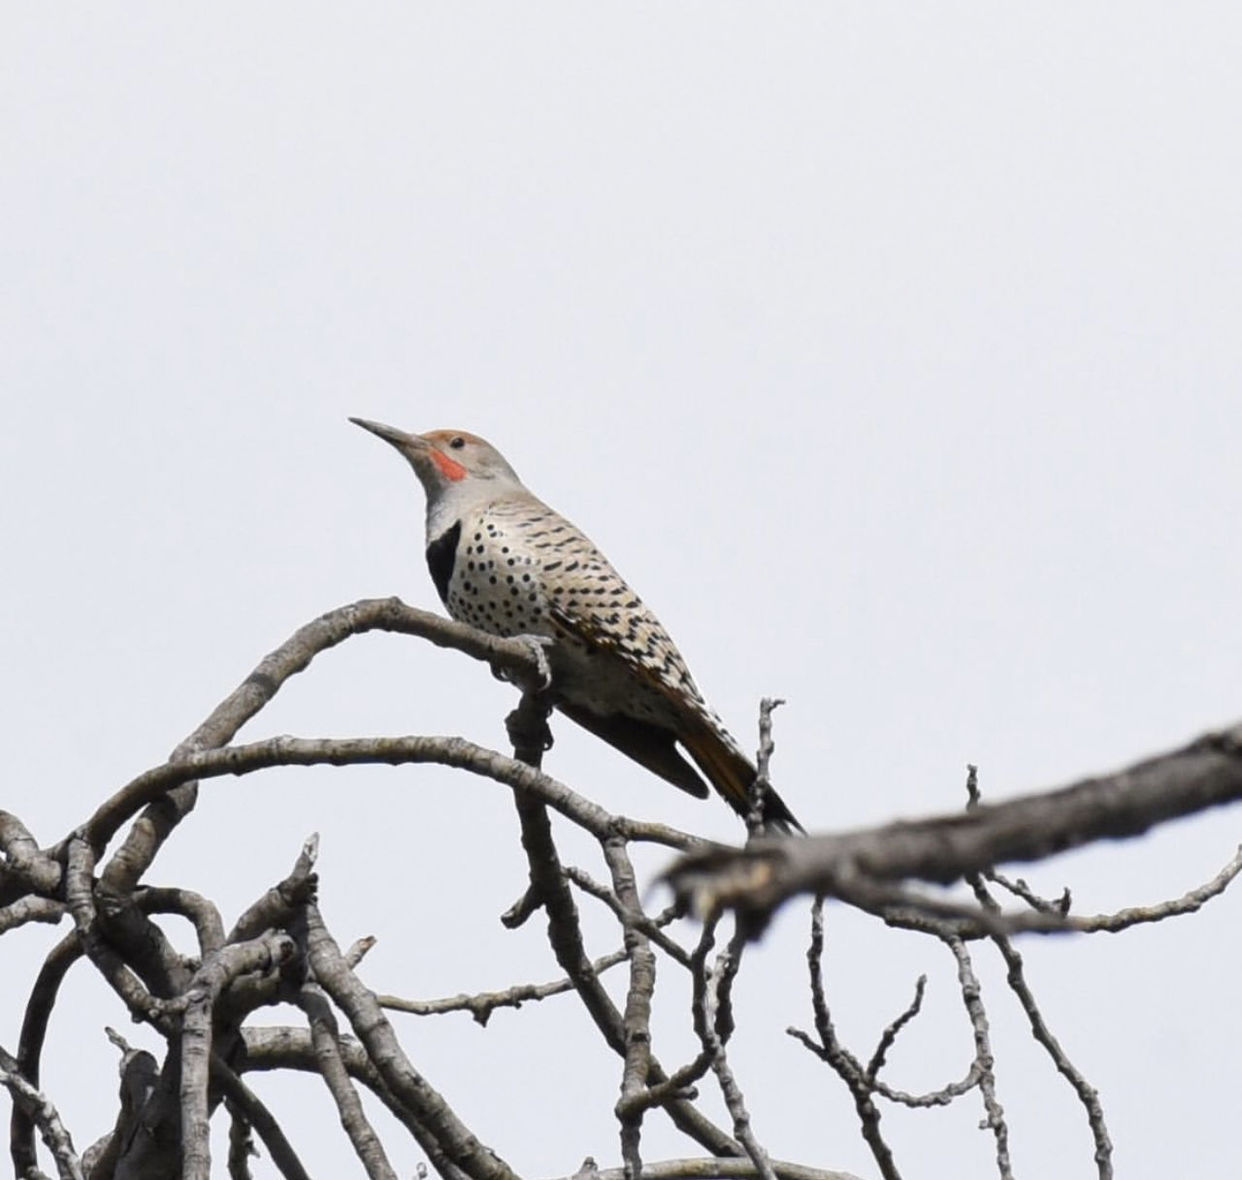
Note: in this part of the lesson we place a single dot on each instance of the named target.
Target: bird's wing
(590, 601)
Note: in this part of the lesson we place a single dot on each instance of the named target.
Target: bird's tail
(733, 775)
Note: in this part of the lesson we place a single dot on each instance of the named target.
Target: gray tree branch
(754, 881)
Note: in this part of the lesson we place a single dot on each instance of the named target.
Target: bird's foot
(538, 645)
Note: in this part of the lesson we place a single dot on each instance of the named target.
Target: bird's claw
(538, 645)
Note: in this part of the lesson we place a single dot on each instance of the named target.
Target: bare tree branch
(830, 1050)
(394, 751)
(30, 1043)
(282, 1047)
(376, 1034)
(24, 866)
(284, 900)
(483, 1004)
(1016, 979)
(512, 657)
(199, 1003)
(714, 1025)
(650, 928)
(325, 1037)
(241, 1145)
(200, 912)
(30, 908)
(199, 1007)
(40, 1108)
(972, 997)
(715, 1168)
(757, 879)
(244, 1105)
(891, 1031)
(637, 1018)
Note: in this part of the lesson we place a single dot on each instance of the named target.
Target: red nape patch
(449, 468)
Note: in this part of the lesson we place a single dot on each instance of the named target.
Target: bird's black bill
(390, 434)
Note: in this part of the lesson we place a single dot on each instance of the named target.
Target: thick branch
(756, 880)
(23, 865)
(325, 1036)
(217, 971)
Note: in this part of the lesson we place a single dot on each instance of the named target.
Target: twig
(891, 1031)
(1059, 906)
(1188, 903)
(549, 888)
(650, 928)
(714, 1029)
(139, 1077)
(483, 1004)
(973, 999)
(1016, 979)
(79, 894)
(762, 785)
(843, 1062)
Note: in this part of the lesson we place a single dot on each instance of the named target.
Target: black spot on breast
(441, 554)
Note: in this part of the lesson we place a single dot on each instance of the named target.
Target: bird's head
(445, 460)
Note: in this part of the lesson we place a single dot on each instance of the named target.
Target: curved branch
(510, 657)
(23, 864)
(394, 751)
(30, 1042)
(40, 1108)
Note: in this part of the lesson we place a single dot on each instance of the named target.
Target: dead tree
(206, 1009)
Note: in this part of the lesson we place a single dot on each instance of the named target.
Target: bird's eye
(457, 443)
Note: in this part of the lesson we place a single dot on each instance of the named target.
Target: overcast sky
(890, 351)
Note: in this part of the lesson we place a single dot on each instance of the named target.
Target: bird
(506, 563)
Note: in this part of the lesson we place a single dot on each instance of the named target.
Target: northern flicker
(503, 561)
